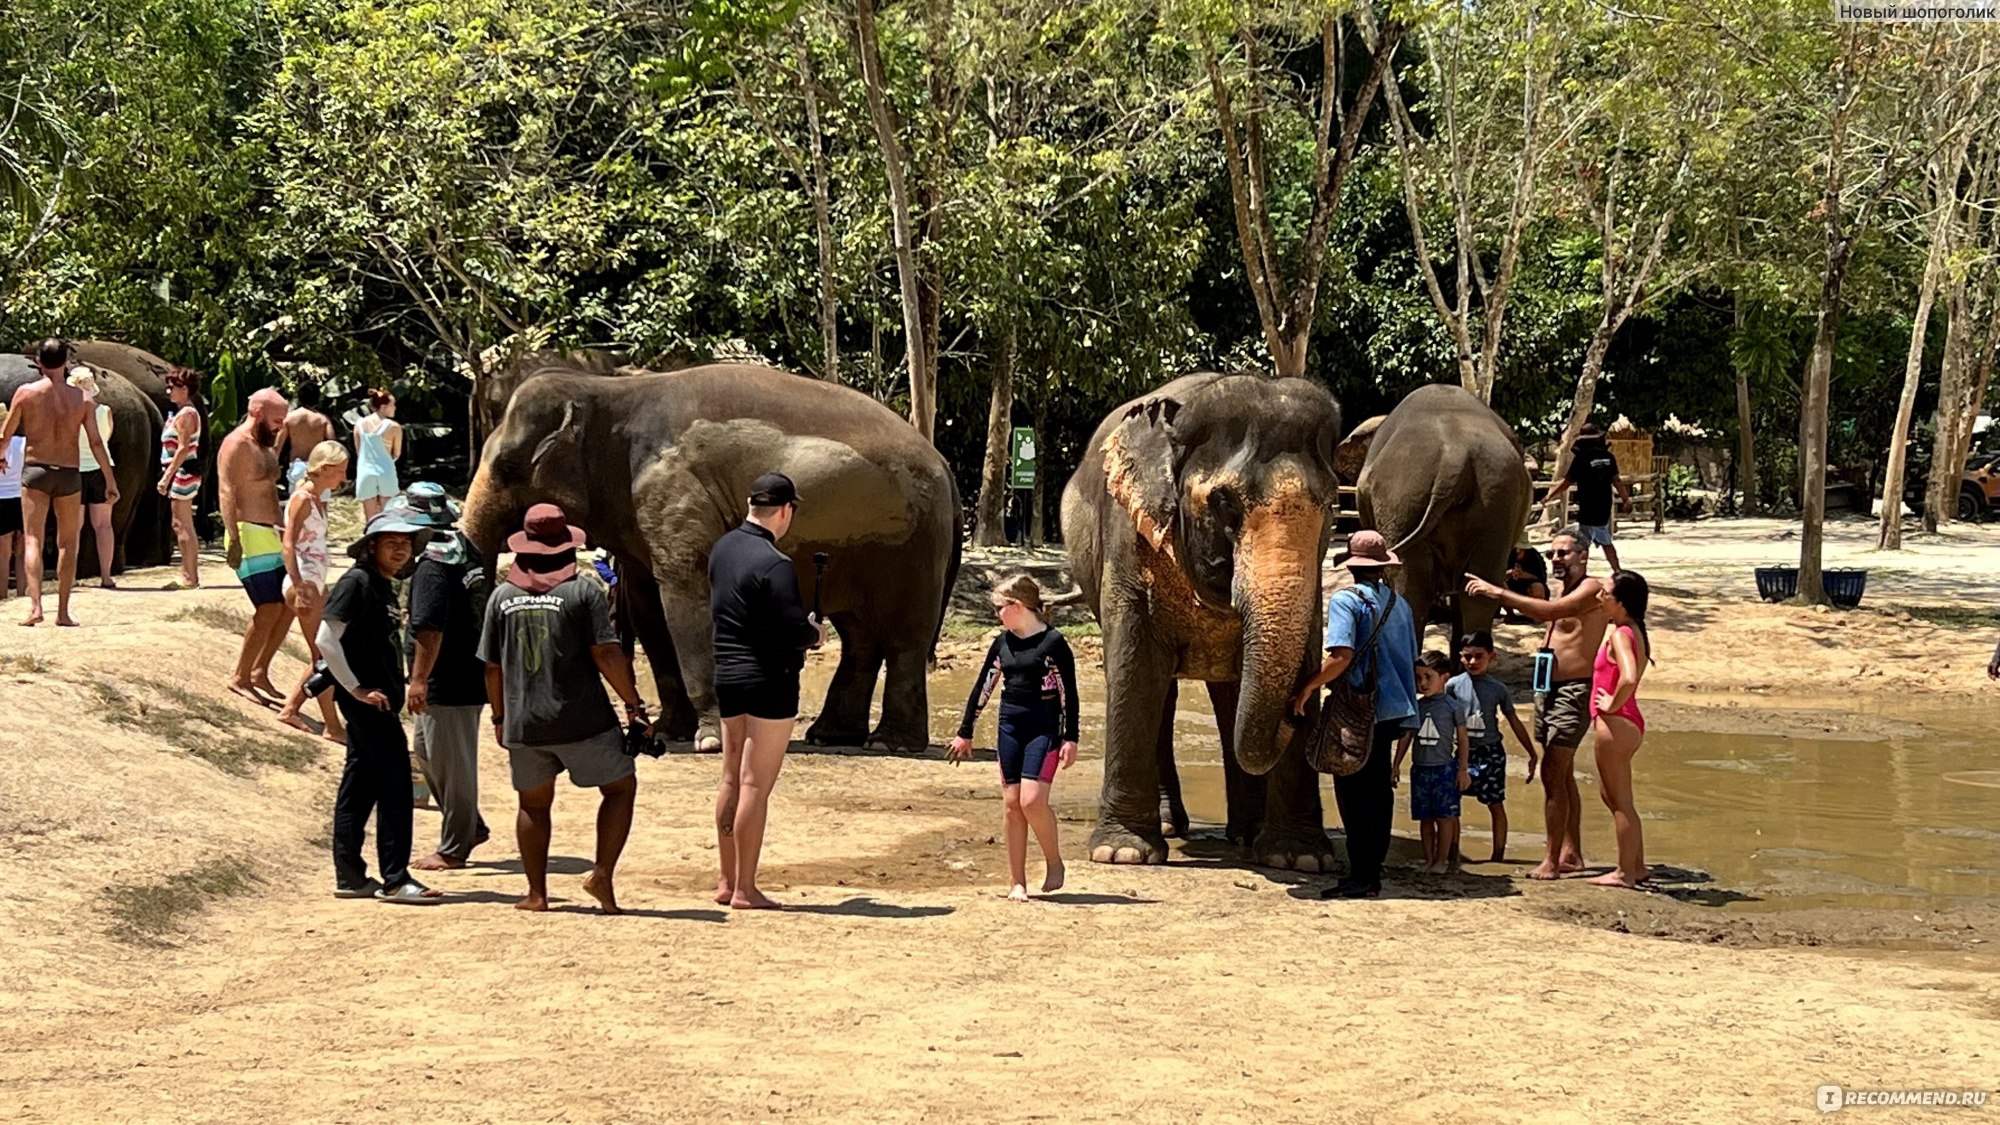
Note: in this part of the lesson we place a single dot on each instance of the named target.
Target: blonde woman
(306, 562)
(1030, 665)
(96, 496)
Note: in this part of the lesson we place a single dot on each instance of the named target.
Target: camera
(321, 680)
(640, 739)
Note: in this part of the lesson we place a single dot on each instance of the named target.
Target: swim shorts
(1029, 743)
(11, 520)
(1489, 774)
(775, 698)
(1562, 714)
(1598, 535)
(94, 489)
(53, 480)
(263, 567)
(590, 763)
(1434, 791)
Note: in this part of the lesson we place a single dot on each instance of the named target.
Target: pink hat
(545, 531)
(1367, 550)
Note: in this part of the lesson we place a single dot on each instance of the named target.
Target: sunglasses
(1562, 554)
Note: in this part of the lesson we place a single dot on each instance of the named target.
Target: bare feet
(1544, 871)
(751, 899)
(1018, 893)
(1434, 869)
(337, 735)
(65, 621)
(537, 905)
(1613, 878)
(598, 886)
(242, 688)
(1053, 881)
(34, 619)
(262, 682)
(108, 584)
(293, 720)
(724, 893)
(1497, 857)
(1572, 863)
(437, 862)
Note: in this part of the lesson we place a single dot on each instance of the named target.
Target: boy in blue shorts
(1439, 770)
(1485, 699)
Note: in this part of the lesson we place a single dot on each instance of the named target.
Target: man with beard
(248, 464)
(51, 414)
(1562, 713)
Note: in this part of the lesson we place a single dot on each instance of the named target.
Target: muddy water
(1786, 804)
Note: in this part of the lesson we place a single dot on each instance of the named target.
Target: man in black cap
(762, 631)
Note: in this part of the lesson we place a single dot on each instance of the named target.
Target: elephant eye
(1224, 505)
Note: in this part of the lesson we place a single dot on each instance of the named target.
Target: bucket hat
(1367, 550)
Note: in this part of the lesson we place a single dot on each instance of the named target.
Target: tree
(1286, 304)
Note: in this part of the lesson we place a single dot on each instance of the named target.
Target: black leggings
(1367, 805)
(376, 779)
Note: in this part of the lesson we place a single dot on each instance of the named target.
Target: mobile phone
(1545, 670)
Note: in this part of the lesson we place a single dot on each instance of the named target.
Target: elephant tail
(951, 569)
(1447, 493)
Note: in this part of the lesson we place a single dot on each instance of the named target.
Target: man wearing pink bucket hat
(1369, 609)
(547, 640)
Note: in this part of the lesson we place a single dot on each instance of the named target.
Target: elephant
(1444, 481)
(135, 452)
(149, 540)
(1195, 525)
(656, 467)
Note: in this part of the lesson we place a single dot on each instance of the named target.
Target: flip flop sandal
(409, 892)
(368, 888)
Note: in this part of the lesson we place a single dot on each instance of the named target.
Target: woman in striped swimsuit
(180, 482)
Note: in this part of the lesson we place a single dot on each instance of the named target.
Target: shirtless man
(304, 428)
(49, 414)
(248, 468)
(1562, 714)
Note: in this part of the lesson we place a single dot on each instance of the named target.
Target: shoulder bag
(1344, 732)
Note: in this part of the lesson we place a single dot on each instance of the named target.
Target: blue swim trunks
(1489, 774)
(1434, 791)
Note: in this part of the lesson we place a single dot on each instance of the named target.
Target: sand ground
(899, 986)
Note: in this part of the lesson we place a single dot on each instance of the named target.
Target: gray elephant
(1445, 483)
(656, 467)
(135, 452)
(1195, 526)
(148, 539)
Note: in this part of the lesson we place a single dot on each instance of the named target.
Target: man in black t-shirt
(1594, 472)
(447, 679)
(762, 632)
(359, 638)
(547, 640)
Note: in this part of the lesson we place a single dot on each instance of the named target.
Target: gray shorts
(1598, 535)
(1562, 714)
(591, 763)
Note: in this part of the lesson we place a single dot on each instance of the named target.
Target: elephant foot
(899, 741)
(708, 739)
(1302, 849)
(1111, 843)
(825, 734)
(1241, 834)
(1173, 821)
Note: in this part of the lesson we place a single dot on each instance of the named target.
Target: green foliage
(1678, 492)
(225, 407)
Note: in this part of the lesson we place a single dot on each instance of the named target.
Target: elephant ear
(560, 454)
(1140, 468)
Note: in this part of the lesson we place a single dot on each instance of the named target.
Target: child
(1031, 666)
(1485, 699)
(1440, 769)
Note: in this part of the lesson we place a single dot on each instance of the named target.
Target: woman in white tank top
(307, 560)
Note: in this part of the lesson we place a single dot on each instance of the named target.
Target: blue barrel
(1777, 583)
(1845, 587)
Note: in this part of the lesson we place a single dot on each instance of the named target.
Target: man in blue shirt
(1367, 796)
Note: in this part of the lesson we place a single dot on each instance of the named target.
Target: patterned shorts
(1489, 774)
(1434, 792)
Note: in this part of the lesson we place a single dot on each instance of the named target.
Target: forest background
(1738, 224)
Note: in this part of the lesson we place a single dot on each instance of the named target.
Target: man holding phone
(1562, 688)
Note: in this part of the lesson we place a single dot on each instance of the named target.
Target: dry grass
(146, 913)
(236, 622)
(26, 662)
(206, 728)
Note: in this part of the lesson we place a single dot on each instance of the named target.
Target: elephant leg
(1173, 811)
(1294, 833)
(639, 604)
(1139, 675)
(843, 717)
(1243, 790)
(906, 710)
(693, 634)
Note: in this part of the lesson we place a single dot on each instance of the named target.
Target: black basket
(1844, 587)
(1779, 583)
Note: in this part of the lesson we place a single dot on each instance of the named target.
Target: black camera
(640, 739)
(321, 680)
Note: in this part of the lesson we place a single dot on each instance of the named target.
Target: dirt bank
(900, 988)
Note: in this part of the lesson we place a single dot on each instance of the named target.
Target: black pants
(376, 779)
(1367, 807)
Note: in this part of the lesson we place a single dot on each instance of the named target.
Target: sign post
(1021, 467)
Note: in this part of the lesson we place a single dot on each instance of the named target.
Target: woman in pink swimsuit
(1616, 721)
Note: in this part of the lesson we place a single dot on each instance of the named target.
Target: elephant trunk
(1277, 596)
(490, 514)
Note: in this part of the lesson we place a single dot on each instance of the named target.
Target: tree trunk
(902, 231)
(1812, 429)
(1037, 524)
(991, 530)
(829, 294)
(1941, 490)
(1890, 537)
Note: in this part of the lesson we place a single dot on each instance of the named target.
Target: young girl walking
(307, 561)
(1032, 668)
